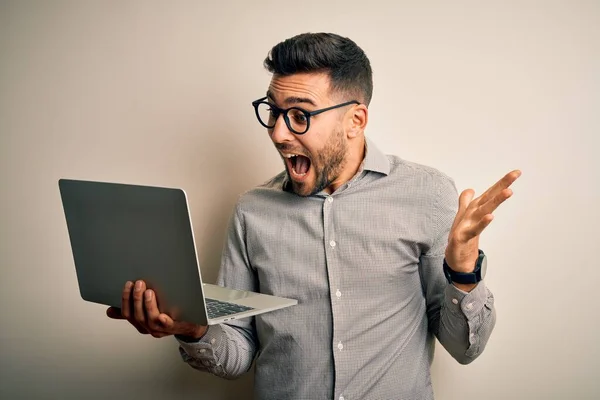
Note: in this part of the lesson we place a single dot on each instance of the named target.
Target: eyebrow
(292, 100)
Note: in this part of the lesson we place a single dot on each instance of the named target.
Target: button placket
(331, 248)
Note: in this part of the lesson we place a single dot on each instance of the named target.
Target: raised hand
(139, 307)
(472, 218)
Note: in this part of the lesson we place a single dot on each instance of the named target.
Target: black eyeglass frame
(279, 111)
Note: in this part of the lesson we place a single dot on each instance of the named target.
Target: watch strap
(464, 277)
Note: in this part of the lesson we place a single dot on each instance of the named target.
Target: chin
(302, 189)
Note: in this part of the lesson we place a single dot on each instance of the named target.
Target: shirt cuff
(207, 346)
(468, 304)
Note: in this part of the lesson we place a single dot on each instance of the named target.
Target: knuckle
(137, 295)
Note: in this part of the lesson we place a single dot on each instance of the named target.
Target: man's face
(316, 159)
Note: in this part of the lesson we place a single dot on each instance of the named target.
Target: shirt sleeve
(462, 321)
(227, 350)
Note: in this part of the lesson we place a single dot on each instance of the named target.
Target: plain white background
(159, 93)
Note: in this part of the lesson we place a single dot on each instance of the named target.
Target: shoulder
(263, 194)
(422, 176)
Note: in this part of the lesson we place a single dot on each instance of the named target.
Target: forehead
(312, 87)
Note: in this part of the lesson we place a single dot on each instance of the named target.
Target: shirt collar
(375, 160)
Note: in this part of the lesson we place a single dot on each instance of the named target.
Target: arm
(462, 321)
(227, 350)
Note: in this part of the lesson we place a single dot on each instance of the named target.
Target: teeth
(293, 169)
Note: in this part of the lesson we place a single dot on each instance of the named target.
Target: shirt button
(332, 243)
(202, 350)
(454, 301)
(213, 341)
(469, 306)
(338, 293)
(341, 397)
(340, 346)
(330, 199)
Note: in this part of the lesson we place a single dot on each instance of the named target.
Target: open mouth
(297, 164)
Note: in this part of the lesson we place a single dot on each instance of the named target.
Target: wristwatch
(467, 277)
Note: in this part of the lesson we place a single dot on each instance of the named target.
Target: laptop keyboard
(216, 308)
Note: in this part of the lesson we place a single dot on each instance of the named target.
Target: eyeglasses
(296, 119)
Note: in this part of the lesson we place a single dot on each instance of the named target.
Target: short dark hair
(346, 64)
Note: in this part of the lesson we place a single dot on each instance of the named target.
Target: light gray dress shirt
(365, 264)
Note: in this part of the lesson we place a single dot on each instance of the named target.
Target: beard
(328, 164)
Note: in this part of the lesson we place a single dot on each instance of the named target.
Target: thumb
(465, 199)
(166, 321)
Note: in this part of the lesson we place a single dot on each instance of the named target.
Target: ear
(356, 120)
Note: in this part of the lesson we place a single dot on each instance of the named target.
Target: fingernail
(128, 285)
(138, 285)
(148, 295)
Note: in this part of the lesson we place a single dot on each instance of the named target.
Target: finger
(166, 322)
(117, 313)
(464, 200)
(502, 184)
(126, 304)
(138, 303)
(114, 313)
(152, 313)
(466, 197)
(180, 327)
(491, 206)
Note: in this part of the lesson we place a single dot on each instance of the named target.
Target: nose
(280, 132)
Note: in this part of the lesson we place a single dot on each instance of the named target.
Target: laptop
(124, 232)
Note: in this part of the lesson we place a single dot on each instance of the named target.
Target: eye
(298, 116)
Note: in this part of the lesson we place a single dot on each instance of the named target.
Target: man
(361, 239)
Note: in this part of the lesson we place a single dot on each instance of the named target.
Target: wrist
(194, 337)
(466, 278)
(465, 287)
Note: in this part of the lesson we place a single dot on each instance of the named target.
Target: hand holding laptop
(129, 233)
(139, 307)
